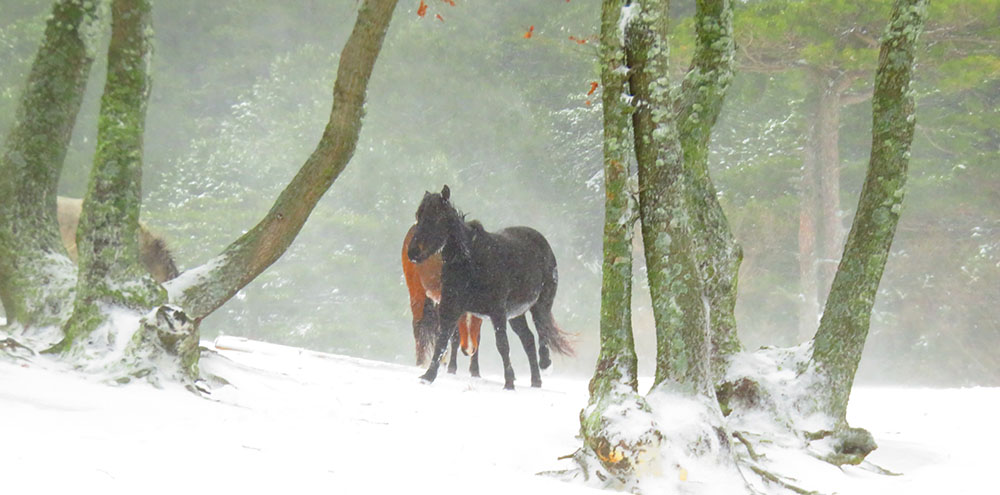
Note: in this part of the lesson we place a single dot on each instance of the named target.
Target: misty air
(442, 246)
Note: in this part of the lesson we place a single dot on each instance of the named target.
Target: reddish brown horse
(424, 282)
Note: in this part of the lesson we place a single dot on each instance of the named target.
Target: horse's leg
(520, 327)
(453, 358)
(448, 318)
(425, 330)
(541, 315)
(500, 329)
(475, 324)
(474, 364)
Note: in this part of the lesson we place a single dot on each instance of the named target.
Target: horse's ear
(445, 192)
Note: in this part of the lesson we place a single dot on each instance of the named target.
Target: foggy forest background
(241, 94)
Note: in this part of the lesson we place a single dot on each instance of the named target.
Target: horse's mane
(463, 240)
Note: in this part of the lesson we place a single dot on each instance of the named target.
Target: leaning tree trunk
(30, 247)
(615, 382)
(201, 290)
(111, 275)
(844, 326)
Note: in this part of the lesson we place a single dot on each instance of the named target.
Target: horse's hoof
(508, 386)
(452, 371)
(535, 384)
(427, 378)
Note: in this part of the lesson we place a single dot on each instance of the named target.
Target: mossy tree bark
(615, 380)
(36, 277)
(716, 253)
(844, 326)
(110, 273)
(675, 283)
(206, 288)
(669, 195)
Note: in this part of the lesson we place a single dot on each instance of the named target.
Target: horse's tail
(550, 336)
(155, 256)
(424, 315)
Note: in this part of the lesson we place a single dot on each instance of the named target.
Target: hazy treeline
(241, 92)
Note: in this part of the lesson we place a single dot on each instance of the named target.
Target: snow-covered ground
(297, 421)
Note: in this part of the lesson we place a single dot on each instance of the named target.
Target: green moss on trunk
(36, 280)
(111, 273)
(844, 326)
(252, 253)
(615, 380)
(702, 95)
(675, 283)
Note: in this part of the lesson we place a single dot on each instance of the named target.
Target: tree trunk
(808, 260)
(821, 230)
(826, 136)
(675, 283)
(203, 289)
(111, 275)
(615, 380)
(32, 160)
(717, 254)
(844, 327)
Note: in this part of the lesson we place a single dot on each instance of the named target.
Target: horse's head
(435, 217)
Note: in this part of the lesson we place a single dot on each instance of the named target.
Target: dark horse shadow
(499, 275)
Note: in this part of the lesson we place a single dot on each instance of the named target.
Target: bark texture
(30, 247)
(615, 378)
(209, 287)
(675, 282)
(716, 252)
(111, 274)
(844, 326)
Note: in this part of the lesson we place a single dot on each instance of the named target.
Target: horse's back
(530, 242)
(530, 266)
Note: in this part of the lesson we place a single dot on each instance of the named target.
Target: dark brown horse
(501, 275)
(424, 283)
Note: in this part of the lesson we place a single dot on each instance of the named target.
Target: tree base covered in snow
(770, 426)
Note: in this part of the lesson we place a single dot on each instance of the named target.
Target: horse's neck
(456, 249)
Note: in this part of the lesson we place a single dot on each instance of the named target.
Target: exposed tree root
(15, 349)
(165, 344)
(778, 480)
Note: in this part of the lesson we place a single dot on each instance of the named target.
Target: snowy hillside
(295, 421)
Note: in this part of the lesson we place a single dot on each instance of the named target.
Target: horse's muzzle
(415, 254)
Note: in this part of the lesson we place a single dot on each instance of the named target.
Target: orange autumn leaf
(578, 41)
(449, 2)
(593, 87)
(530, 30)
(438, 17)
(422, 9)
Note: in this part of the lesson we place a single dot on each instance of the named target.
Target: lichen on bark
(111, 274)
(30, 165)
(251, 254)
(843, 328)
(615, 378)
